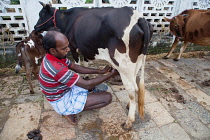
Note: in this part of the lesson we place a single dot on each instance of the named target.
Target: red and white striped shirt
(55, 78)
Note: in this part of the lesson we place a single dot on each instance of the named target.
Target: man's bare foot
(72, 119)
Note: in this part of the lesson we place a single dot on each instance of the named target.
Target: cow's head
(46, 16)
(34, 36)
(177, 25)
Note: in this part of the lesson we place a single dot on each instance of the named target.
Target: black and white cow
(117, 35)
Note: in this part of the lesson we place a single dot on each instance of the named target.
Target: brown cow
(190, 26)
(29, 52)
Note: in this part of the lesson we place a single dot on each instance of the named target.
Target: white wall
(32, 8)
(153, 10)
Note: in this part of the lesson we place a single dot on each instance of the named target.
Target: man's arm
(85, 70)
(90, 84)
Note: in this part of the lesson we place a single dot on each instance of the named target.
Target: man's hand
(108, 68)
(114, 72)
(91, 83)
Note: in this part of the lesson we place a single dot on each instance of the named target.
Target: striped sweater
(55, 78)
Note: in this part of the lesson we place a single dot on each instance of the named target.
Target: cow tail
(19, 57)
(143, 24)
(141, 90)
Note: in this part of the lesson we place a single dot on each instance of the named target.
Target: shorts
(72, 102)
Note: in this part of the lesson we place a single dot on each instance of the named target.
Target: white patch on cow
(128, 68)
(30, 43)
(44, 33)
(79, 61)
(37, 60)
(19, 54)
(77, 50)
(85, 64)
(134, 19)
(104, 55)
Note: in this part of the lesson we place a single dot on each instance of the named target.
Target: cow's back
(197, 28)
(95, 27)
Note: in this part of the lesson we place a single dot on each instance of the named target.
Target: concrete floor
(177, 107)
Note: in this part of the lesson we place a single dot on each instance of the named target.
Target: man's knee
(108, 97)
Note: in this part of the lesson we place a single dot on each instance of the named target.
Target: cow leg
(35, 70)
(27, 68)
(181, 51)
(132, 103)
(172, 48)
(28, 75)
(136, 92)
(35, 66)
(19, 58)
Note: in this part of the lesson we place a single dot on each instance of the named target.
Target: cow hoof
(125, 127)
(165, 57)
(31, 92)
(175, 59)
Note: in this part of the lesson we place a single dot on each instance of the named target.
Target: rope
(45, 22)
(54, 20)
(163, 31)
(10, 38)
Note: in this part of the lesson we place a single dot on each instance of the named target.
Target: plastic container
(100, 88)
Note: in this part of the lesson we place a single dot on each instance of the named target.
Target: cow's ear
(185, 16)
(167, 19)
(43, 33)
(47, 7)
(42, 4)
(50, 4)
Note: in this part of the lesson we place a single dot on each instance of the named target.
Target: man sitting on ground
(61, 84)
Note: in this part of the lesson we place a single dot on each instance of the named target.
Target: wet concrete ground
(177, 107)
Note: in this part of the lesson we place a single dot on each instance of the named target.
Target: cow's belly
(104, 55)
(203, 42)
(123, 59)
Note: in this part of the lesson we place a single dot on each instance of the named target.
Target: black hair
(49, 41)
